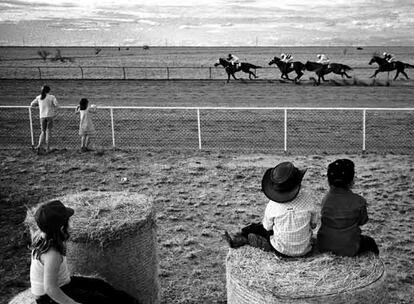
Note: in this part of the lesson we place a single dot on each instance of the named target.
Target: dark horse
(385, 66)
(323, 69)
(231, 70)
(286, 68)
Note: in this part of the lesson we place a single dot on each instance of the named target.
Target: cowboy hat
(281, 184)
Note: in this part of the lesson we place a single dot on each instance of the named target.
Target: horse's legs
(375, 74)
(234, 76)
(405, 74)
(347, 76)
(396, 74)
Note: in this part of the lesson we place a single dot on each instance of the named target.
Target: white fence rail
(289, 129)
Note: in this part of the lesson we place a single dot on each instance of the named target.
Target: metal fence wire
(299, 130)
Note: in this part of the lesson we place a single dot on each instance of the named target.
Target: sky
(207, 22)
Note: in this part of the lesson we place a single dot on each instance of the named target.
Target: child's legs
(83, 141)
(86, 140)
(367, 243)
(256, 228)
(49, 125)
(99, 286)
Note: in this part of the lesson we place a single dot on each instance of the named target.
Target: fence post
(285, 131)
(364, 113)
(113, 127)
(40, 73)
(199, 128)
(168, 73)
(123, 71)
(81, 71)
(209, 69)
(31, 125)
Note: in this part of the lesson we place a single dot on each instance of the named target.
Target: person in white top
(290, 217)
(235, 61)
(323, 59)
(50, 280)
(47, 104)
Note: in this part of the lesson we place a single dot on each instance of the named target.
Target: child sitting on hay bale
(289, 218)
(50, 280)
(342, 213)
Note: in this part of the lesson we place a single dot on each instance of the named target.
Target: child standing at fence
(47, 104)
(86, 127)
(50, 280)
(342, 213)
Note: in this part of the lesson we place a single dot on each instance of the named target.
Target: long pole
(364, 114)
(285, 131)
(31, 125)
(113, 127)
(199, 129)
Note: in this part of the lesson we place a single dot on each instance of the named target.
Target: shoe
(259, 242)
(235, 242)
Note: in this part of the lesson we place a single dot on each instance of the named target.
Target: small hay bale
(113, 236)
(254, 276)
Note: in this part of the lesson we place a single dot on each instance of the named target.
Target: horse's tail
(407, 65)
(256, 66)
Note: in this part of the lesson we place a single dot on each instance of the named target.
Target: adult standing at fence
(47, 104)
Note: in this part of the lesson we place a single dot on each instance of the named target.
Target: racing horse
(385, 66)
(286, 68)
(322, 69)
(231, 69)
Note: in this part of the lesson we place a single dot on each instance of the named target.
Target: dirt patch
(197, 196)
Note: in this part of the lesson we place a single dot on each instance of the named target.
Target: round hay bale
(113, 236)
(24, 297)
(254, 276)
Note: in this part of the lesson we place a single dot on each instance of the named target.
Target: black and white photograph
(210, 151)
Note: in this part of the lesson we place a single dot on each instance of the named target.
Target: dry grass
(198, 195)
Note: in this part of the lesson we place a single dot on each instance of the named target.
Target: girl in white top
(47, 110)
(50, 280)
(86, 127)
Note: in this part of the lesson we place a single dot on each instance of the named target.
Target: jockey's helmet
(319, 56)
(384, 54)
(282, 55)
(230, 55)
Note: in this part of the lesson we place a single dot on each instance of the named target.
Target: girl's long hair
(43, 241)
(45, 90)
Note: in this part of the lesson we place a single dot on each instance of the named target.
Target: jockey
(323, 59)
(286, 58)
(389, 57)
(235, 61)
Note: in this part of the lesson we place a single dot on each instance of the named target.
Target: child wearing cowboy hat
(289, 218)
(342, 213)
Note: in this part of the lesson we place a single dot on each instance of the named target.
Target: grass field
(199, 194)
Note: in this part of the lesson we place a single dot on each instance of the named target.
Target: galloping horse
(231, 70)
(321, 69)
(286, 68)
(385, 66)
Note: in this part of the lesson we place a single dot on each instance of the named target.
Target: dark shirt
(342, 213)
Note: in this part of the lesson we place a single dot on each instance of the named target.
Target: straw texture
(24, 297)
(113, 236)
(254, 276)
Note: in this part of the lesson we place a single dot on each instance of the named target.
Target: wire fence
(297, 130)
(140, 73)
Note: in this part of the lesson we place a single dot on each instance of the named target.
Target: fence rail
(289, 129)
(131, 72)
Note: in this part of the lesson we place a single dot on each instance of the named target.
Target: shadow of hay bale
(113, 236)
(257, 277)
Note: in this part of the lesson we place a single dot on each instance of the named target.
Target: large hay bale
(113, 236)
(24, 297)
(254, 276)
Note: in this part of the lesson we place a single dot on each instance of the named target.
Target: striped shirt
(292, 223)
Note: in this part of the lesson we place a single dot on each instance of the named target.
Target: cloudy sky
(207, 22)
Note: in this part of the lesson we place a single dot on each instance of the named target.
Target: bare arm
(52, 260)
(34, 103)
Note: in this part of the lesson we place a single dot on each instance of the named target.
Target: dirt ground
(197, 196)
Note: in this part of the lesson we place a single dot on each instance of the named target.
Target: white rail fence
(289, 129)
